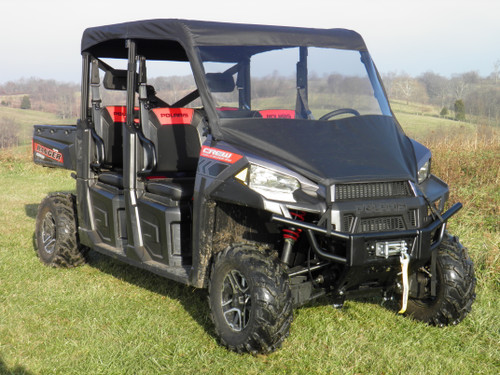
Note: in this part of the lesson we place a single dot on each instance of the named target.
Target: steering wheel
(337, 112)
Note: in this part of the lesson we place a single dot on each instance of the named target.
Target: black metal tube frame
(311, 229)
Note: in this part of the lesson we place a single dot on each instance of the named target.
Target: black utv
(263, 163)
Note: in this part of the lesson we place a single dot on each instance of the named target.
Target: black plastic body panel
(166, 231)
(109, 214)
(54, 146)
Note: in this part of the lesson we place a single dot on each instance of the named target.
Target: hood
(360, 148)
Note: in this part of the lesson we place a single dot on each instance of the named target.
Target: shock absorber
(290, 236)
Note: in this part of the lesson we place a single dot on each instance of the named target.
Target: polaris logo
(380, 208)
(174, 115)
(278, 116)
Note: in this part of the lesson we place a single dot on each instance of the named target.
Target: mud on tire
(56, 233)
(455, 287)
(250, 300)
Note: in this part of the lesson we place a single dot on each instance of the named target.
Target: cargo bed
(54, 146)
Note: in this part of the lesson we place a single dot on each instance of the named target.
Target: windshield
(293, 82)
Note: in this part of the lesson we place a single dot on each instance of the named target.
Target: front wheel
(250, 300)
(455, 290)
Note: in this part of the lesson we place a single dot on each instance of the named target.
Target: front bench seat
(109, 128)
(177, 143)
(177, 189)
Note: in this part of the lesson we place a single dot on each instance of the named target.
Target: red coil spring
(294, 233)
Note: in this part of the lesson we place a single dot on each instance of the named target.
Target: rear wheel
(250, 300)
(455, 290)
(56, 232)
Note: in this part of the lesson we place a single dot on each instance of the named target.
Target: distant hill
(16, 125)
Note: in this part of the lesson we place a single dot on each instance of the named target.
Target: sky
(41, 38)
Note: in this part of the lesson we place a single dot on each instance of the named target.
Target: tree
(437, 87)
(405, 86)
(496, 70)
(25, 102)
(459, 110)
(409, 89)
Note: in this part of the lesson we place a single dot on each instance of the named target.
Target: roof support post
(135, 249)
(302, 106)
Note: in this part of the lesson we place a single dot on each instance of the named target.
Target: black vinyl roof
(109, 40)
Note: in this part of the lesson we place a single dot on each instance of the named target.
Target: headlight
(424, 171)
(271, 184)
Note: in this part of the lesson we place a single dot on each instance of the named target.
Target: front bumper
(421, 242)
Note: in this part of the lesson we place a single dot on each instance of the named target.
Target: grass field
(110, 318)
(26, 118)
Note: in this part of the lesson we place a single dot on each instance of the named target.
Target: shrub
(459, 110)
(25, 102)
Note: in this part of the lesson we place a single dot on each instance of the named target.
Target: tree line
(50, 96)
(476, 95)
(467, 94)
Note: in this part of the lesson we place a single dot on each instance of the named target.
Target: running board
(176, 273)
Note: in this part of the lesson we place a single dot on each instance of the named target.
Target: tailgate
(54, 146)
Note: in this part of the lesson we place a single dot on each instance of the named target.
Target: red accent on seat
(227, 109)
(118, 113)
(174, 116)
(155, 177)
(278, 113)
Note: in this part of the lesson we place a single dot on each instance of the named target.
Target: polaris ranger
(275, 173)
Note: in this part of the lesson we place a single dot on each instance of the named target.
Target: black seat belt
(96, 115)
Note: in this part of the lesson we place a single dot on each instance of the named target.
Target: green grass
(110, 318)
(420, 120)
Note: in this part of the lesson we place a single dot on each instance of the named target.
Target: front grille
(372, 190)
(381, 224)
(413, 214)
(348, 223)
